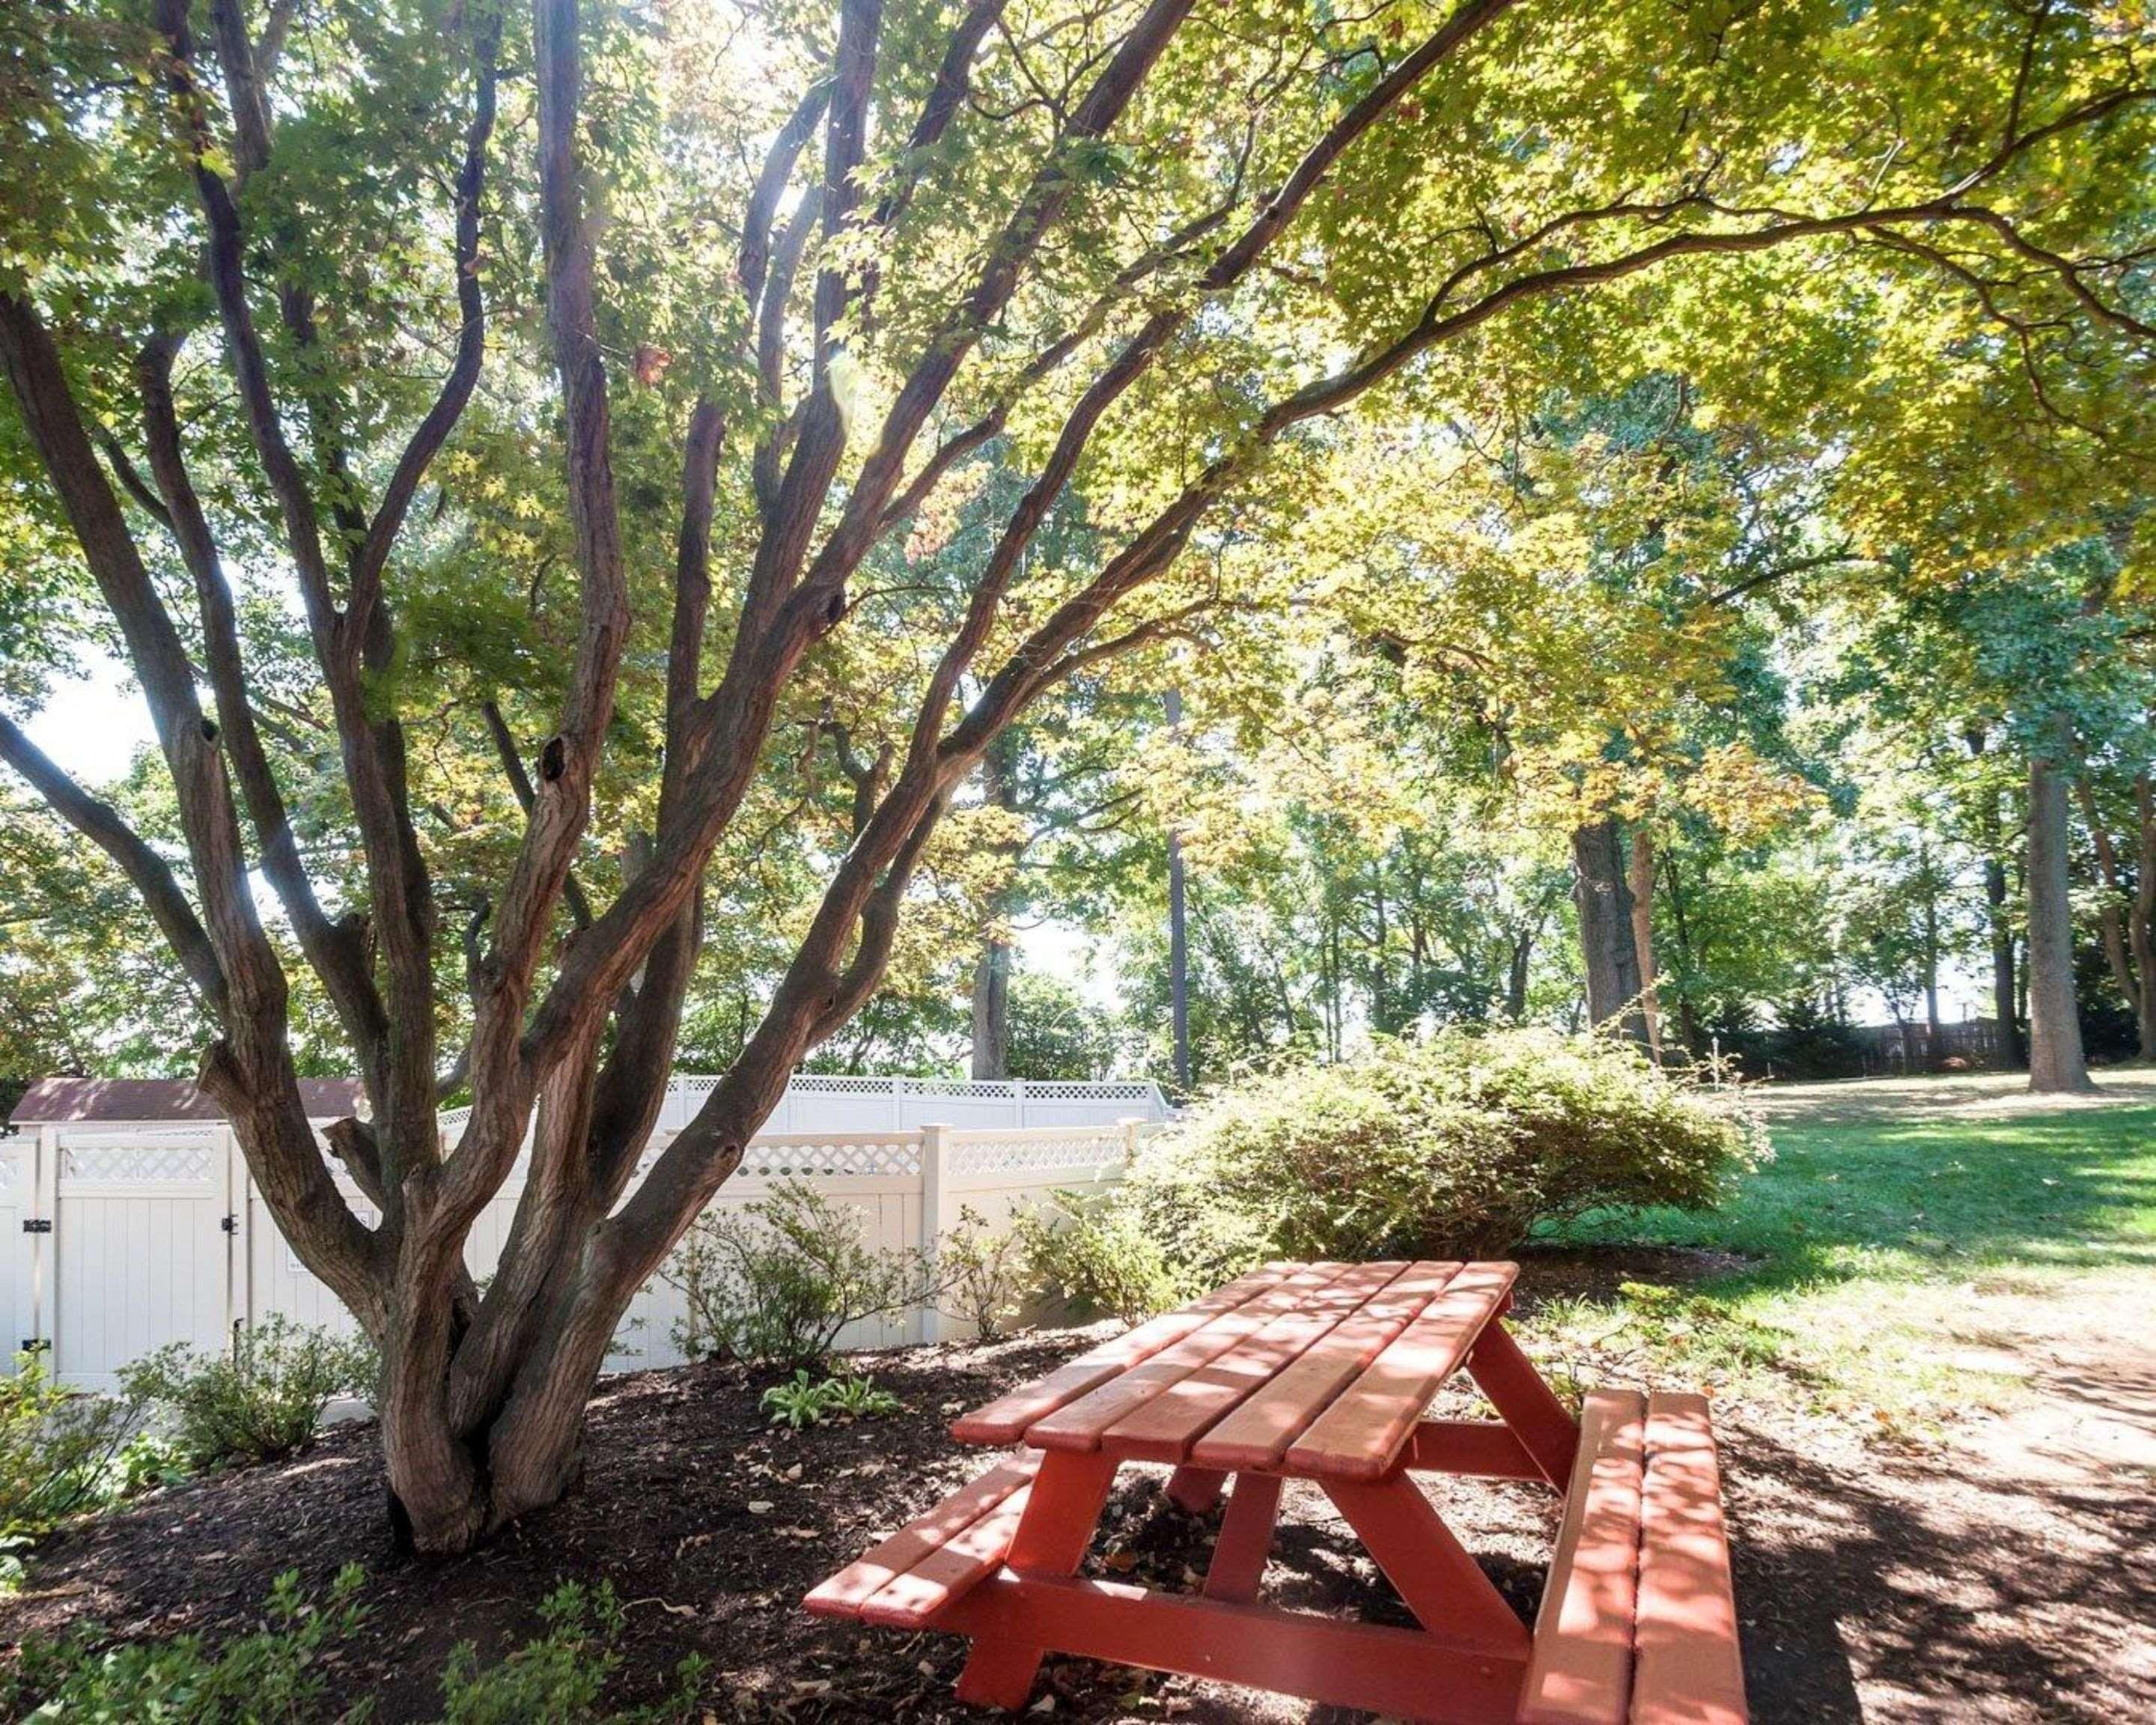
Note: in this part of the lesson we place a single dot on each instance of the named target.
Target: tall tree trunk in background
(2005, 1001)
(1934, 1031)
(2056, 1063)
(1178, 932)
(992, 970)
(2141, 920)
(1640, 881)
(1516, 975)
(2124, 918)
(1604, 903)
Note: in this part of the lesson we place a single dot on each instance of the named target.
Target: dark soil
(1872, 1585)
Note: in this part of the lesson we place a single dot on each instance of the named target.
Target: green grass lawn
(1878, 1255)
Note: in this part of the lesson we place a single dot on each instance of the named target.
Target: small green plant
(264, 1401)
(802, 1401)
(775, 1282)
(274, 1677)
(561, 1677)
(986, 1274)
(59, 1452)
(1094, 1253)
(281, 1674)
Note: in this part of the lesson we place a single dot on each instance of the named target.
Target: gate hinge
(230, 1224)
(37, 1224)
(34, 1344)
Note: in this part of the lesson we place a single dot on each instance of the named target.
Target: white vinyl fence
(117, 1239)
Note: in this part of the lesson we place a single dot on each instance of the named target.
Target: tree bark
(1934, 1030)
(2005, 994)
(2056, 1063)
(1640, 882)
(2141, 921)
(1604, 903)
(992, 970)
(1178, 931)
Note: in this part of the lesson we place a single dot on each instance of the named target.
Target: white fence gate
(118, 1240)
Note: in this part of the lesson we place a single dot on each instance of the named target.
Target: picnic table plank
(952, 1570)
(1079, 1424)
(1362, 1434)
(1257, 1433)
(1581, 1669)
(1687, 1664)
(845, 1593)
(1005, 1419)
(1164, 1429)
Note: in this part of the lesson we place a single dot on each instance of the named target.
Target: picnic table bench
(1324, 1371)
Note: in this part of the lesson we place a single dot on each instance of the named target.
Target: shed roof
(54, 1100)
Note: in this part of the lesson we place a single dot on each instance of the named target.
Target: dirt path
(2003, 1575)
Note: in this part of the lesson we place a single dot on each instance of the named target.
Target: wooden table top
(1318, 1370)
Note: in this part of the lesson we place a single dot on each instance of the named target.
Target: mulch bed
(711, 1524)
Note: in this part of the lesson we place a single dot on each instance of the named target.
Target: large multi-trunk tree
(265, 318)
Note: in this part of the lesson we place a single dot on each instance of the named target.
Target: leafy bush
(1455, 1145)
(803, 1401)
(279, 1675)
(773, 1283)
(1096, 1254)
(986, 1274)
(562, 1676)
(264, 1401)
(274, 1675)
(59, 1452)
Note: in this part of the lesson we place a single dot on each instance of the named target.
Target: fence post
(45, 1248)
(939, 1211)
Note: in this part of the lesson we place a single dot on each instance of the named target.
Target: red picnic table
(1324, 1371)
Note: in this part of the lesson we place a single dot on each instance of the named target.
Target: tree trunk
(2004, 993)
(1516, 975)
(1640, 881)
(1178, 933)
(991, 971)
(1934, 1031)
(2141, 920)
(1604, 903)
(2056, 1063)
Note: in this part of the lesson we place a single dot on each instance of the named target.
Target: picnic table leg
(1246, 1538)
(1517, 1391)
(1196, 1489)
(1442, 1584)
(1068, 1495)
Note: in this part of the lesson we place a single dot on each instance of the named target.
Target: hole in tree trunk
(552, 759)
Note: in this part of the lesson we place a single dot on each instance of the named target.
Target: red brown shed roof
(53, 1100)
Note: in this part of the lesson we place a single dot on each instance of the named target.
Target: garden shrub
(264, 1400)
(1096, 1254)
(772, 1283)
(1455, 1145)
(59, 1452)
(282, 1675)
(561, 1677)
(986, 1274)
(271, 1678)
